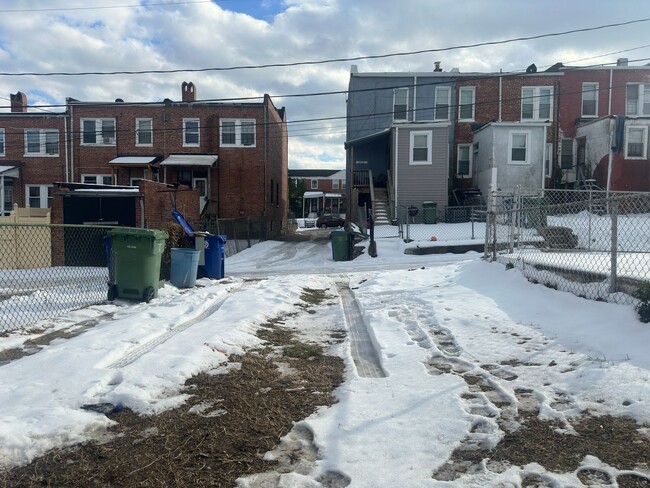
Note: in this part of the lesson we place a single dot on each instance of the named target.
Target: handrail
(389, 190)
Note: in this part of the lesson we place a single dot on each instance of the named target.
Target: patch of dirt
(616, 441)
(219, 435)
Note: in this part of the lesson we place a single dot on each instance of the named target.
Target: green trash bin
(136, 255)
(430, 212)
(341, 245)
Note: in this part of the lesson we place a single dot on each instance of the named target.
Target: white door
(202, 185)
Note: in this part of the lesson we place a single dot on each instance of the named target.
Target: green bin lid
(137, 232)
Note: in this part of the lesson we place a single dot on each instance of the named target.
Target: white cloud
(208, 35)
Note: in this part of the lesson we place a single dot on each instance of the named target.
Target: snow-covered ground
(428, 316)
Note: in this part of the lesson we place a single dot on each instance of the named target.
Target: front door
(202, 185)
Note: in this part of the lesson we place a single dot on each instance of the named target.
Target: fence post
(614, 247)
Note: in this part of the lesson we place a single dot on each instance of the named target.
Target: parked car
(326, 221)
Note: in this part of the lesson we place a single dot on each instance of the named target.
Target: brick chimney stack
(189, 92)
(18, 102)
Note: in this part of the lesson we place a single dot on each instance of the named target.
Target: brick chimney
(437, 68)
(18, 102)
(189, 92)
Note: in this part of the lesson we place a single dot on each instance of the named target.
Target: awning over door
(190, 160)
(9, 171)
(134, 161)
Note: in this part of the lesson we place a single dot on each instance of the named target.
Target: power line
(332, 60)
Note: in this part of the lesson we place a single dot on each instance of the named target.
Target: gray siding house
(398, 136)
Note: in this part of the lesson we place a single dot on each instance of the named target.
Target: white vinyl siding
(536, 102)
(636, 142)
(237, 132)
(443, 97)
(400, 104)
(519, 148)
(144, 132)
(590, 99)
(420, 147)
(466, 100)
(191, 133)
(98, 132)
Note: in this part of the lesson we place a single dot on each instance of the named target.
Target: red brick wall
(159, 200)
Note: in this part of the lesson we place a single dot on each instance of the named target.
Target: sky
(73, 36)
(433, 321)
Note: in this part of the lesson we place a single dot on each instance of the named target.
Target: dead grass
(220, 435)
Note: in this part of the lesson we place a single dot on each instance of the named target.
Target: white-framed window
(518, 147)
(343, 184)
(400, 103)
(636, 142)
(39, 196)
(97, 179)
(548, 160)
(41, 142)
(466, 100)
(567, 153)
(191, 130)
(335, 184)
(237, 132)
(144, 132)
(2, 142)
(637, 99)
(314, 184)
(590, 99)
(443, 100)
(98, 132)
(464, 161)
(536, 102)
(420, 152)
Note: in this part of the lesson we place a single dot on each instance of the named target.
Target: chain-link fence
(594, 244)
(47, 270)
(426, 222)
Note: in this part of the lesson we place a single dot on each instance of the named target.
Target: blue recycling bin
(214, 256)
(184, 267)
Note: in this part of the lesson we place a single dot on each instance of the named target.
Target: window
(237, 132)
(638, 99)
(314, 184)
(441, 111)
(97, 179)
(590, 99)
(9, 196)
(536, 102)
(41, 142)
(2, 142)
(100, 132)
(464, 160)
(400, 103)
(519, 147)
(191, 132)
(143, 132)
(39, 196)
(566, 154)
(466, 103)
(343, 184)
(335, 184)
(420, 147)
(636, 138)
(548, 160)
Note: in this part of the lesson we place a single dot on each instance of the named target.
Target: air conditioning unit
(108, 140)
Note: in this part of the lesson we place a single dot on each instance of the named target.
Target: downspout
(414, 113)
(544, 157)
(500, 95)
(72, 142)
(65, 139)
(609, 155)
(396, 166)
(609, 93)
(142, 212)
(266, 139)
